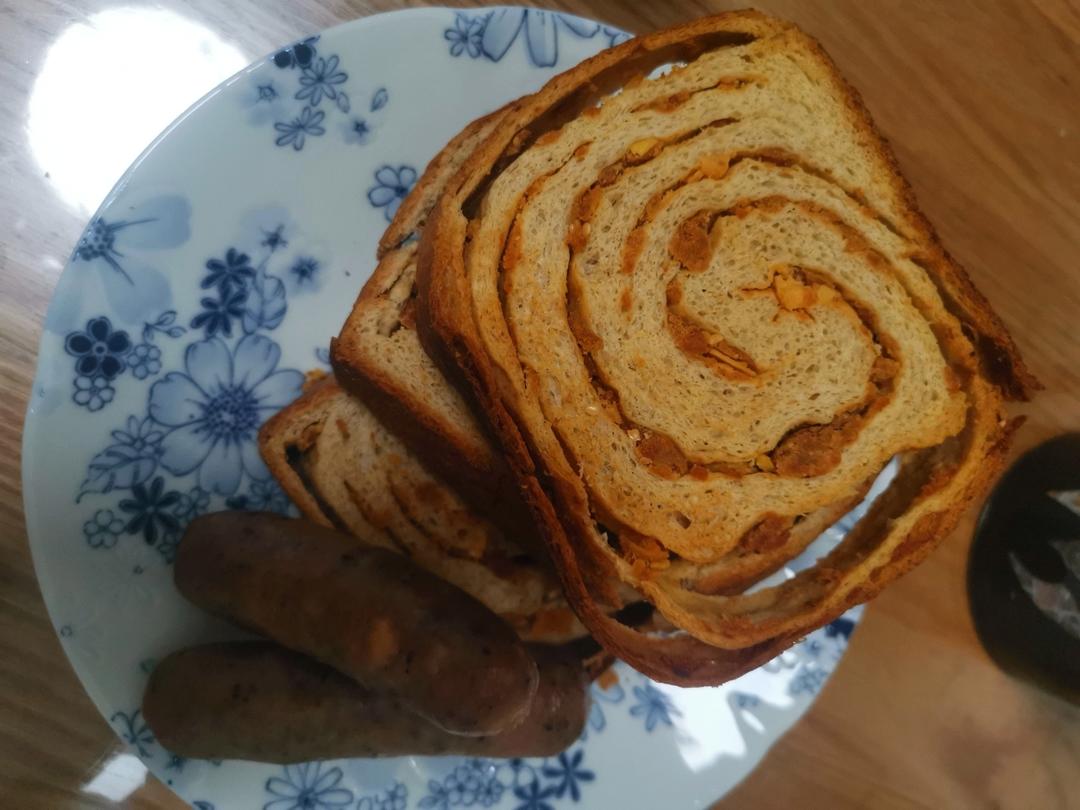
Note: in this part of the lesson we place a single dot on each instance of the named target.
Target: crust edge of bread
(286, 428)
(464, 455)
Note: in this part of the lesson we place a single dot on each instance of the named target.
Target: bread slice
(378, 357)
(337, 458)
(701, 310)
(344, 469)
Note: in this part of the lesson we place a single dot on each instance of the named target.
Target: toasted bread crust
(443, 433)
(448, 449)
(297, 426)
(936, 484)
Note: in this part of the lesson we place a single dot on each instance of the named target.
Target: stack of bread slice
(360, 461)
(653, 329)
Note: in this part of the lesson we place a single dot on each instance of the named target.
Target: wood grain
(982, 105)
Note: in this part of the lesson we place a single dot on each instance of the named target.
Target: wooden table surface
(982, 104)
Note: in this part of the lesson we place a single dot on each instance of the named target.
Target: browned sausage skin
(255, 700)
(367, 612)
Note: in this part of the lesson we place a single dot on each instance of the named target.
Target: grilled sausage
(367, 612)
(255, 700)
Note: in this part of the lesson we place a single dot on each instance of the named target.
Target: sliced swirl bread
(344, 469)
(337, 457)
(378, 356)
(701, 311)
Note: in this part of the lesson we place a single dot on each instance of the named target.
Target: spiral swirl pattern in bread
(702, 313)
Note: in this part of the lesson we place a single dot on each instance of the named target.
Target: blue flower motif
(266, 303)
(151, 511)
(808, 681)
(437, 798)
(490, 792)
(99, 242)
(215, 407)
(522, 773)
(391, 187)
(570, 774)
(164, 324)
(308, 123)
(462, 785)
(264, 496)
(234, 273)
(532, 797)
(103, 529)
(305, 270)
(393, 799)
(298, 55)
(218, 313)
(318, 80)
(269, 496)
(655, 705)
(130, 460)
(175, 763)
(110, 256)
(841, 628)
(166, 546)
(745, 700)
(141, 436)
(134, 731)
(100, 350)
(496, 31)
(265, 102)
(309, 786)
(475, 782)
(192, 504)
(274, 238)
(612, 694)
(357, 131)
(144, 360)
(465, 35)
(812, 647)
(93, 393)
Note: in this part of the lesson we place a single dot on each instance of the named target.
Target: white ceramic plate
(212, 276)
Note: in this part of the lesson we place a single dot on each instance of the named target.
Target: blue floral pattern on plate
(493, 33)
(200, 420)
(392, 185)
(102, 354)
(119, 253)
(213, 408)
(653, 706)
(134, 731)
(527, 782)
(310, 786)
(103, 529)
(210, 280)
(307, 93)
